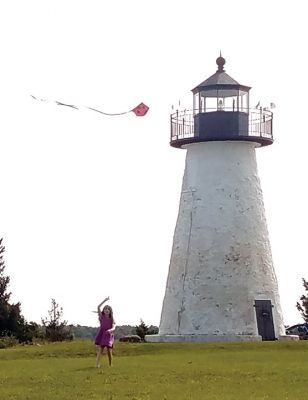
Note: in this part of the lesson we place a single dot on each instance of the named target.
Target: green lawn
(65, 371)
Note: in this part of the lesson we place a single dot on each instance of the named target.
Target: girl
(105, 337)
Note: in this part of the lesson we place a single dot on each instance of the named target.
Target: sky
(88, 202)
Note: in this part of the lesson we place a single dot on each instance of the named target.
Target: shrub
(7, 341)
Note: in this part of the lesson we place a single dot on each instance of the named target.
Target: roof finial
(220, 62)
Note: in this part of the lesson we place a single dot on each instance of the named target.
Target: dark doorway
(265, 319)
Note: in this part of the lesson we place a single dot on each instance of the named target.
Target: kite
(139, 110)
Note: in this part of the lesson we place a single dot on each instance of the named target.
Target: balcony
(254, 125)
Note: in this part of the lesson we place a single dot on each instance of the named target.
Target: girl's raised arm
(99, 306)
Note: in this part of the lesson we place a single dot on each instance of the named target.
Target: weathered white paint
(221, 258)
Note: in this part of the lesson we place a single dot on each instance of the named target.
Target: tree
(142, 330)
(55, 329)
(12, 323)
(4, 280)
(303, 307)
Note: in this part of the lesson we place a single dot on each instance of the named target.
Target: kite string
(101, 112)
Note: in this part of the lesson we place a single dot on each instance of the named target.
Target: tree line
(89, 332)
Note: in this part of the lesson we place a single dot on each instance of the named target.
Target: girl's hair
(111, 312)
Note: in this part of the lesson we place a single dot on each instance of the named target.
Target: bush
(7, 341)
(28, 332)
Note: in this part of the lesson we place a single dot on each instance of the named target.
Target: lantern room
(220, 92)
(221, 111)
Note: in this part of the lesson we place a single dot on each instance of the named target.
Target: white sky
(89, 203)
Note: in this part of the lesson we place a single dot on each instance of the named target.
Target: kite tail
(139, 111)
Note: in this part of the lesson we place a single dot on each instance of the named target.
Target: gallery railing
(260, 124)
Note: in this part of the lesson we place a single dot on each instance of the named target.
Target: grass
(151, 371)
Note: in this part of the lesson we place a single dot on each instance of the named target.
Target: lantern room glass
(213, 100)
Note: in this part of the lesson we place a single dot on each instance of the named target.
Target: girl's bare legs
(109, 352)
(98, 357)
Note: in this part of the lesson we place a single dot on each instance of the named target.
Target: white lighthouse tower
(221, 284)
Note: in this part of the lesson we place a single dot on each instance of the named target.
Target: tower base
(288, 337)
(211, 338)
(201, 338)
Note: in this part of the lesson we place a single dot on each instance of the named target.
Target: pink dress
(104, 338)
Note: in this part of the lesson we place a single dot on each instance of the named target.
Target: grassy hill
(148, 371)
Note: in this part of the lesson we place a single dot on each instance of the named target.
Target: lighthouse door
(265, 319)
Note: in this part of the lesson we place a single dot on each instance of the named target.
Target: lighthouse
(221, 284)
